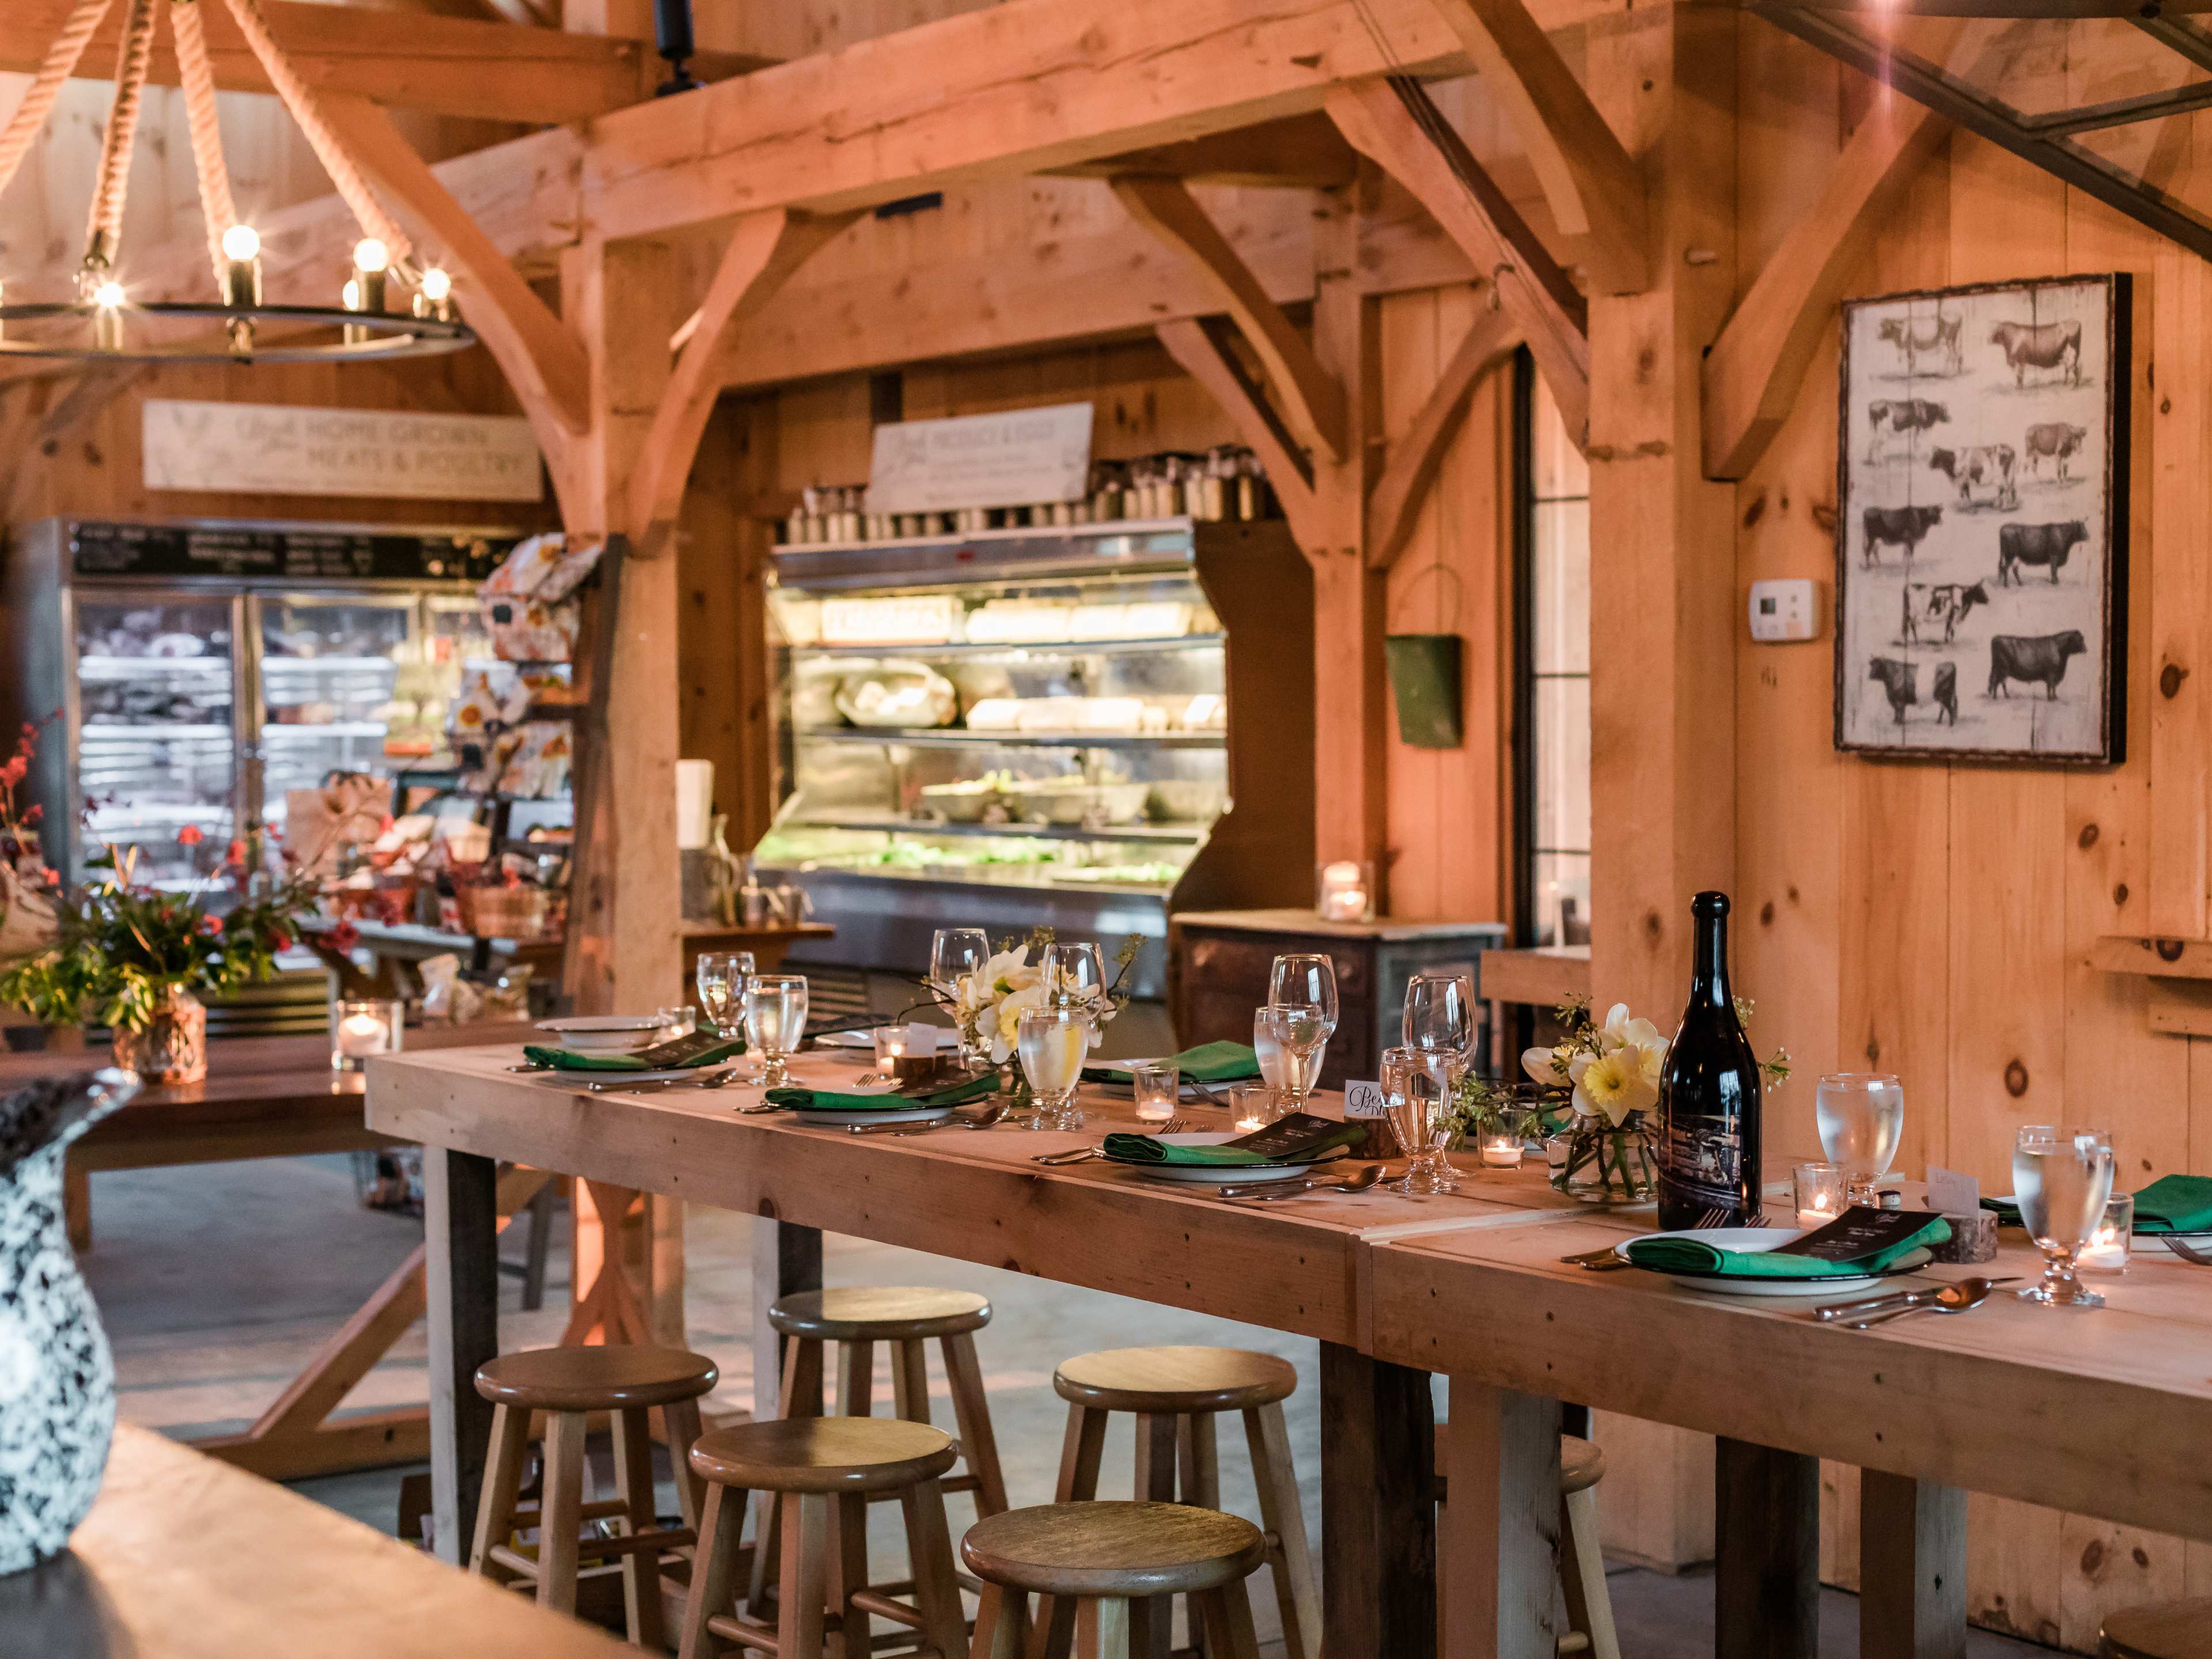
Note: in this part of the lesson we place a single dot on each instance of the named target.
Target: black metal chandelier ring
(372, 336)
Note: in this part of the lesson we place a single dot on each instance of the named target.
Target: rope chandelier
(104, 325)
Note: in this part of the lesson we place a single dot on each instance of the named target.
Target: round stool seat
(1120, 1550)
(2164, 1630)
(879, 1313)
(1582, 1464)
(823, 1454)
(1175, 1380)
(595, 1379)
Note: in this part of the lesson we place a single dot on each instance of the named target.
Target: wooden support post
(460, 1221)
(1498, 1550)
(1766, 1583)
(1378, 1506)
(787, 1259)
(1912, 1568)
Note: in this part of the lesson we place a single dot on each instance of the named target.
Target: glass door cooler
(1082, 728)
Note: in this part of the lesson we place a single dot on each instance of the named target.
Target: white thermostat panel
(1785, 609)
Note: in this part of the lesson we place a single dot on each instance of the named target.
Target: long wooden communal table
(2086, 1411)
(278, 1097)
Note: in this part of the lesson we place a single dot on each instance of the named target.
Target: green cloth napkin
(1693, 1255)
(1143, 1149)
(566, 1060)
(824, 1100)
(2175, 1204)
(1209, 1062)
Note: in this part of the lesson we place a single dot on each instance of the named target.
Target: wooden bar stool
(1175, 1393)
(908, 1318)
(2165, 1630)
(1115, 1567)
(568, 1384)
(822, 1471)
(1581, 1563)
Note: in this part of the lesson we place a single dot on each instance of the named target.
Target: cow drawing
(1900, 679)
(1900, 417)
(2045, 545)
(2054, 441)
(1986, 466)
(2015, 657)
(1946, 693)
(1931, 605)
(1901, 527)
(2040, 345)
(1914, 337)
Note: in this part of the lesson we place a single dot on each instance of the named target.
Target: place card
(1861, 1231)
(1952, 1193)
(1365, 1099)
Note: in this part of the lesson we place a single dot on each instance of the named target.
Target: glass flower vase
(1594, 1162)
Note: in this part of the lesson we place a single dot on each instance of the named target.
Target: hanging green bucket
(1426, 684)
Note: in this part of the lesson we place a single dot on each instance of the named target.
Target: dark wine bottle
(1709, 1169)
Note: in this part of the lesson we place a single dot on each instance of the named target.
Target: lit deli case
(201, 670)
(1082, 728)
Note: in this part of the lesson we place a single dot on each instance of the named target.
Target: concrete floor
(217, 1283)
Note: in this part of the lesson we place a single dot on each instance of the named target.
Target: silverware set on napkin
(1173, 1126)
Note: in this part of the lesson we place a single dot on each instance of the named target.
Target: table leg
(1766, 1582)
(1499, 1548)
(460, 1214)
(1912, 1568)
(1378, 1507)
(786, 1258)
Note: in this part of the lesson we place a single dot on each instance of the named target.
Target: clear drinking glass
(2062, 1179)
(1265, 1051)
(1440, 1015)
(1074, 973)
(1299, 1035)
(1253, 1106)
(1304, 981)
(721, 977)
(1052, 1044)
(775, 1021)
(1158, 1088)
(1860, 1116)
(954, 954)
(1417, 1084)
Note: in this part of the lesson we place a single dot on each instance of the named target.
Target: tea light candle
(2108, 1247)
(1501, 1151)
(362, 1034)
(1253, 1103)
(1820, 1189)
(360, 1029)
(1345, 892)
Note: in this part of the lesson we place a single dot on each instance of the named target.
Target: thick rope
(103, 230)
(375, 221)
(68, 44)
(197, 76)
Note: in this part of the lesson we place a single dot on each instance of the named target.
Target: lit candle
(109, 300)
(1820, 1191)
(241, 252)
(1501, 1151)
(2106, 1251)
(371, 261)
(1818, 1215)
(362, 1034)
(1343, 892)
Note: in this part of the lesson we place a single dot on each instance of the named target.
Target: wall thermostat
(1785, 609)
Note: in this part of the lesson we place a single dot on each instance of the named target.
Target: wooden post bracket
(1393, 122)
(1590, 181)
(1416, 458)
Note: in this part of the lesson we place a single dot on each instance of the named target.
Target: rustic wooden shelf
(2161, 957)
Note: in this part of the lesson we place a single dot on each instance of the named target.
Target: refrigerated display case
(1083, 728)
(196, 671)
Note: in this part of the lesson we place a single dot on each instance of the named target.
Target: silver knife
(1898, 1299)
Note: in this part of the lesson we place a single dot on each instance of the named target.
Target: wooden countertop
(1309, 921)
(189, 1559)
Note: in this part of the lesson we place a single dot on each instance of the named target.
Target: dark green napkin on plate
(1691, 1255)
(642, 1059)
(1143, 1149)
(1209, 1062)
(2175, 1204)
(827, 1100)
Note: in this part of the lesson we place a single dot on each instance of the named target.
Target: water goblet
(775, 1022)
(721, 977)
(2062, 1179)
(1052, 1044)
(1861, 1118)
(1417, 1084)
(1298, 1034)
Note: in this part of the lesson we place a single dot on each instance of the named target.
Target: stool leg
(681, 1420)
(1581, 1574)
(1080, 1453)
(1297, 1592)
(910, 1381)
(510, 1438)
(972, 1410)
(1228, 1615)
(1198, 1481)
(1155, 1483)
(713, 1570)
(1105, 1629)
(802, 1591)
(560, 1518)
(634, 1486)
(801, 1395)
(929, 1547)
(848, 1574)
(856, 1392)
(1000, 1632)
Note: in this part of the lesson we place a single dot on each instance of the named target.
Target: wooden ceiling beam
(1394, 123)
(457, 66)
(1311, 397)
(1417, 456)
(1202, 349)
(1299, 152)
(1593, 183)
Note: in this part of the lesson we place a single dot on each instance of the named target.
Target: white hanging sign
(281, 449)
(1010, 460)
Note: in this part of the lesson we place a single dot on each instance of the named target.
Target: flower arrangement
(989, 1004)
(1591, 1089)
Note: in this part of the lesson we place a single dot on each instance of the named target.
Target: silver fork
(2186, 1252)
(1173, 1126)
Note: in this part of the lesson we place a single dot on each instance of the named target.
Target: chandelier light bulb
(437, 286)
(352, 294)
(370, 256)
(109, 295)
(241, 243)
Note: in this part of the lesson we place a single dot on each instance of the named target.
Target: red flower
(343, 937)
(190, 835)
(12, 773)
(33, 813)
(280, 940)
(212, 925)
(51, 877)
(235, 854)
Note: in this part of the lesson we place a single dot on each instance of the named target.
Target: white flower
(1612, 1085)
(1003, 1023)
(1546, 1066)
(1620, 1031)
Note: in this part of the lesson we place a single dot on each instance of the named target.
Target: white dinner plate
(916, 1114)
(605, 1033)
(1220, 1175)
(2143, 1241)
(1753, 1240)
(943, 1042)
(578, 1079)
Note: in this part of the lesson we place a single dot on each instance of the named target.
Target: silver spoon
(1271, 1192)
(981, 1120)
(1966, 1294)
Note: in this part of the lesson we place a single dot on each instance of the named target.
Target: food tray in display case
(1082, 728)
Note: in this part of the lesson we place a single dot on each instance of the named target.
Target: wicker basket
(522, 913)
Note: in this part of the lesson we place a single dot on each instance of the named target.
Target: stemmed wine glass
(1052, 1043)
(775, 1021)
(1861, 1118)
(721, 977)
(955, 955)
(2062, 1179)
(1417, 1088)
(1440, 1017)
(1299, 1036)
(1074, 973)
(1299, 980)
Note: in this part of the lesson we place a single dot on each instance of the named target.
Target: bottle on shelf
(1709, 1094)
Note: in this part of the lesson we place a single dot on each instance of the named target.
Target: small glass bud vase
(362, 1027)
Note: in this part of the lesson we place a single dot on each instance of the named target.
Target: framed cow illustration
(1981, 523)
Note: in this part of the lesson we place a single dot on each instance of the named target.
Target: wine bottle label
(1701, 1166)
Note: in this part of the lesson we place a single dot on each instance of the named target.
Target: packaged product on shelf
(528, 603)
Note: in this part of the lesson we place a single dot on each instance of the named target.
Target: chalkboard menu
(289, 555)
